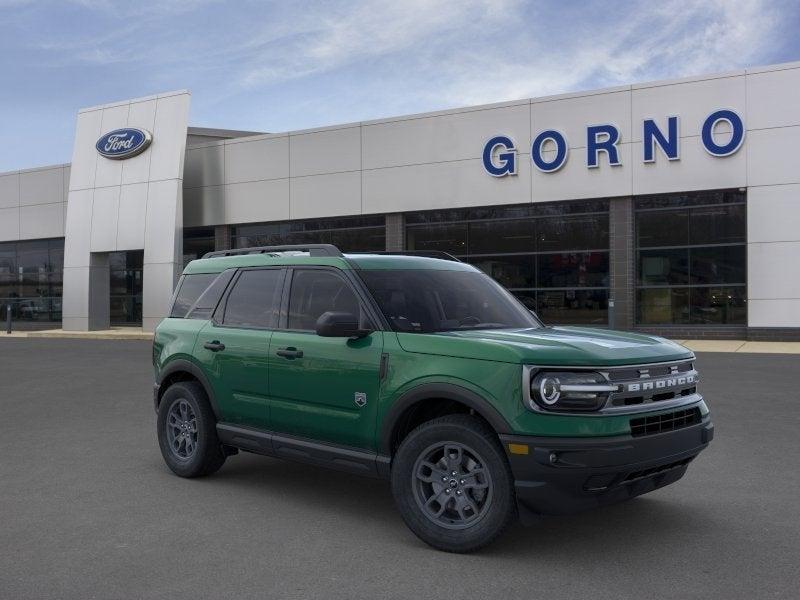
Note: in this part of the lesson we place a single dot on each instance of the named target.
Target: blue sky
(276, 66)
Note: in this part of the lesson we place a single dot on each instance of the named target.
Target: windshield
(429, 301)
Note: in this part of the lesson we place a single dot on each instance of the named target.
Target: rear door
(323, 388)
(233, 347)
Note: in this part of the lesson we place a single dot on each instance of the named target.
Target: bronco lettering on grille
(659, 384)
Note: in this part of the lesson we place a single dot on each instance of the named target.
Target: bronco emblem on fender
(360, 399)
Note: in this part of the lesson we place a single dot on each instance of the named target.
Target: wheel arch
(183, 370)
(416, 397)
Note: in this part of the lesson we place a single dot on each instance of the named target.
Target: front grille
(658, 370)
(652, 383)
(665, 422)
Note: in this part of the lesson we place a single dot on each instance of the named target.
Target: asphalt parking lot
(88, 509)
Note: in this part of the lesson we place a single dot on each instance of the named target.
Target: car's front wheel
(453, 485)
(187, 431)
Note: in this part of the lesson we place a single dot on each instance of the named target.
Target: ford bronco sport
(424, 371)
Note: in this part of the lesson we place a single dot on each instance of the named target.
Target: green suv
(422, 370)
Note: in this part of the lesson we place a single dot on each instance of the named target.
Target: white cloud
(451, 52)
(325, 38)
(478, 51)
(673, 39)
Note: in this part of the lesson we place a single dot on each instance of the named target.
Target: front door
(323, 388)
(233, 348)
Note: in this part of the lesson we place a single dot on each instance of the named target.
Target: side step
(277, 445)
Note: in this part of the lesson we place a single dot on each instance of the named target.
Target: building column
(222, 237)
(99, 291)
(395, 232)
(163, 251)
(86, 305)
(621, 264)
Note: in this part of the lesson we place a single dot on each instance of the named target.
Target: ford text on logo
(500, 152)
(124, 143)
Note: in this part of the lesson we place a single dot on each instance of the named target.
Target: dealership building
(669, 207)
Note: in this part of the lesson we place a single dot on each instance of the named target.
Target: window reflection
(692, 258)
(126, 287)
(31, 281)
(554, 257)
(197, 242)
(349, 234)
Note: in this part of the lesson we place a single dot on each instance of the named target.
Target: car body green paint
(313, 397)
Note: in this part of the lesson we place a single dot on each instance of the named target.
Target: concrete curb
(121, 333)
(130, 333)
(741, 346)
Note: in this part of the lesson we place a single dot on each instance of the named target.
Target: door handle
(290, 353)
(214, 346)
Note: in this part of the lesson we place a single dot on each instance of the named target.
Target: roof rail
(424, 253)
(312, 249)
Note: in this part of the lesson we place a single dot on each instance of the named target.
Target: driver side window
(316, 291)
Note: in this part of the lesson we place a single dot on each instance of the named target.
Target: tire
(189, 445)
(479, 505)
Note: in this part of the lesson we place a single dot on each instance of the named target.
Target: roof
(346, 262)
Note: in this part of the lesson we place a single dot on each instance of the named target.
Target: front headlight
(569, 391)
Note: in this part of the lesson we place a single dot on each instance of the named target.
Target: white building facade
(670, 206)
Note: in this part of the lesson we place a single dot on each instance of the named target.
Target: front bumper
(565, 475)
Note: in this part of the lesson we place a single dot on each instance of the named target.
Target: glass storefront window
(585, 232)
(668, 266)
(197, 242)
(657, 306)
(718, 305)
(662, 228)
(31, 281)
(126, 287)
(512, 272)
(447, 238)
(692, 259)
(589, 307)
(500, 236)
(573, 269)
(349, 234)
(718, 264)
(554, 257)
(724, 224)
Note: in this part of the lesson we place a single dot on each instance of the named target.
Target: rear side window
(188, 293)
(208, 300)
(253, 301)
(316, 291)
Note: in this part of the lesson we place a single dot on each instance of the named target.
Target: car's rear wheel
(187, 433)
(453, 485)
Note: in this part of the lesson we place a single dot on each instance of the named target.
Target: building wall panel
(442, 138)
(327, 151)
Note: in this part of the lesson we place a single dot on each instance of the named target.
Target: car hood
(565, 346)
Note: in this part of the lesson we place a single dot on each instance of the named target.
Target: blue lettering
(601, 138)
(652, 135)
(561, 151)
(737, 137)
(507, 159)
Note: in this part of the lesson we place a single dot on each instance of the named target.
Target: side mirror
(340, 324)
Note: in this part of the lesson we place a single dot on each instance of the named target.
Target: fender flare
(187, 366)
(446, 391)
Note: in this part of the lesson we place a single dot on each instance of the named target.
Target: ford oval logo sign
(124, 143)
